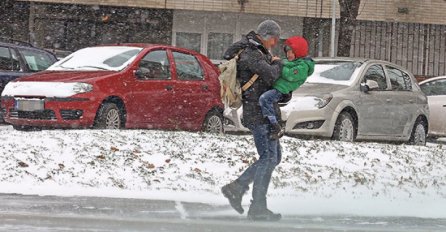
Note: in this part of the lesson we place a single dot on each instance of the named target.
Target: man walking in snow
(255, 58)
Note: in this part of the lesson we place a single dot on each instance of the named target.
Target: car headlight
(322, 101)
(82, 88)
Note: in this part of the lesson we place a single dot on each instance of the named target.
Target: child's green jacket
(294, 74)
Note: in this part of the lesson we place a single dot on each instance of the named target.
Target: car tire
(109, 116)
(26, 128)
(213, 123)
(419, 134)
(344, 128)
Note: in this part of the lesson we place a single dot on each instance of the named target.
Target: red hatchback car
(119, 86)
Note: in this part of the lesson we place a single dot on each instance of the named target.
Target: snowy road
(49, 213)
(382, 186)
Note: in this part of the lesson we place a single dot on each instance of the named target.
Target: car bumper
(316, 122)
(57, 113)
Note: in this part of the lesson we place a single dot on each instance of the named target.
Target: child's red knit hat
(299, 45)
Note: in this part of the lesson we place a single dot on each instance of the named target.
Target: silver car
(435, 89)
(354, 99)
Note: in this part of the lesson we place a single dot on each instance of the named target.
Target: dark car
(19, 59)
(120, 86)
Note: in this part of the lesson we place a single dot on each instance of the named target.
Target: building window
(187, 40)
(217, 44)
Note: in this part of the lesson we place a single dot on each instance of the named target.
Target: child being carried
(296, 68)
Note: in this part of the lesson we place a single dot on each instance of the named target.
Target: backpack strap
(237, 56)
(253, 78)
(250, 82)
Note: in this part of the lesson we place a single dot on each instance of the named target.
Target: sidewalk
(51, 213)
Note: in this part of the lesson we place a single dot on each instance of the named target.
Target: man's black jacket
(255, 59)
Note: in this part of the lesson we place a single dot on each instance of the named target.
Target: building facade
(406, 32)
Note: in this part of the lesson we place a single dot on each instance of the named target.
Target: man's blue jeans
(260, 171)
(267, 101)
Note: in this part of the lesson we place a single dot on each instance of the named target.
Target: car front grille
(71, 114)
(37, 115)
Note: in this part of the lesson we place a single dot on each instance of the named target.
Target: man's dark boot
(276, 131)
(234, 192)
(259, 212)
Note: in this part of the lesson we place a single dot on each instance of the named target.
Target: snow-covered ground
(316, 177)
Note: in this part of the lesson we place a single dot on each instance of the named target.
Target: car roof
(20, 45)
(338, 59)
(144, 45)
(148, 45)
(24, 45)
(433, 79)
(358, 59)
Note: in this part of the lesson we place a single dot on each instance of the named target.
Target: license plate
(29, 104)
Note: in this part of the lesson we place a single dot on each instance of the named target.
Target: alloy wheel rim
(112, 120)
(214, 125)
(346, 131)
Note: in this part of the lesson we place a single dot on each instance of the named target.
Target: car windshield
(332, 72)
(111, 58)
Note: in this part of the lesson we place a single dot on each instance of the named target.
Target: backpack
(230, 90)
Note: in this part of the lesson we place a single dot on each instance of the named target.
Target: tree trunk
(349, 10)
(6, 13)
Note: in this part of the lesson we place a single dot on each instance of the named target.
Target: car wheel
(109, 116)
(418, 136)
(344, 128)
(26, 128)
(213, 123)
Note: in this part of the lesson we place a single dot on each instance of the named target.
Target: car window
(8, 61)
(36, 60)
(15, 61)
(376, 73)
(434, 88)
(155, 65)
(399, 80)
(187, 67)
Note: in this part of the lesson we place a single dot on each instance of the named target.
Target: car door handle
(388, 100)
(169, 87)
(204, 87)
(411, 101)
(444, 105)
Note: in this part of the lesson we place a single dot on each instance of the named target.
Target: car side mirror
(139, 73)
(369, 85)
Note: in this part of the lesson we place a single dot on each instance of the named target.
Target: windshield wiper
(90, 66)
(70, 68)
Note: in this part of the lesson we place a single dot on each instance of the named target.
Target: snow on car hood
(41, 89)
